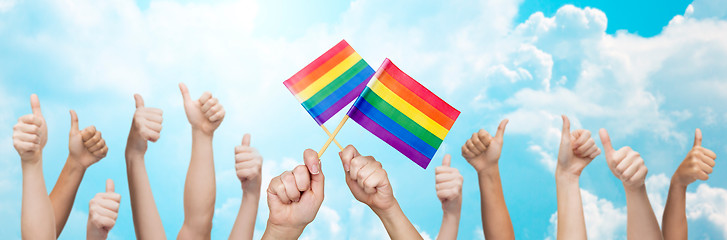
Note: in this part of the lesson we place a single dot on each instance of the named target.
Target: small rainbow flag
(403, 113)
(330, 82)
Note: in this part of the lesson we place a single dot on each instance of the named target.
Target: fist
(626, 164)
(697, 165)
(102, 212)
(482, 151)
(30, 133)
(204, 114)
(86, 147)
(449, 186)
(146, 126)
(295, 196)
(367, 179)
(577, 149)
(248, 165)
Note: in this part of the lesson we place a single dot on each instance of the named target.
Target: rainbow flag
(403, 113)
(330, 82)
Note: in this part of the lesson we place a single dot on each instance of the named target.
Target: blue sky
(649, 72)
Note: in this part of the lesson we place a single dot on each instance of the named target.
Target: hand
(204, 114)
(482, 151)
(146, 126)
(31, 133)
(295, 197)
(697, 165)
(248, 165)
(626, 164)
(577, 150)
(449, 186)
(85, 147)
(367, 179)
(102, 212)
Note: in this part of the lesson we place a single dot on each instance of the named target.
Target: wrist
(489, 170)
(74, 163)
(456, 213)
(634, 189)
(563, 176)
(198, 132)
(274, 231)
(389, 212)
(675, 182)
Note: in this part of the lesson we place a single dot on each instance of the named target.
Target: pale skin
(697, 165)
(628, 166)
(205, 115)
(103, 210)
(248, 166)
(294, 199)
(85, 148)
(369, 184)
(30, 135)
(448, 183)
(482, 151)
(146, 126)
(577, 150)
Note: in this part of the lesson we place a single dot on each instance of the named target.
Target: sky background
(648, 71)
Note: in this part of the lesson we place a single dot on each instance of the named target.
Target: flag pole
(330, 139)
(329, 135)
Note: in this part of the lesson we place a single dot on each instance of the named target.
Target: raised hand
(449, 186)
(146, 126)
(626, 164)
(102, 212)
(482, 150)
(577, 149)
(294, 199)
(367, 179)
(248, 165)
(204, 114)
(85, 147)
(697, 165)
(30, 134)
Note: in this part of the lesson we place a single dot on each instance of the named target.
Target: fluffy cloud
(603, 220)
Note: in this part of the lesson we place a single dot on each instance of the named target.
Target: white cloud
(709, 203)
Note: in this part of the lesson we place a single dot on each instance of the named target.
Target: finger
(88, 133)
(583, 137)
(640, 174)
(291, 189)
(74, 121)
(26, 137)
(702, 176)
(35, 105)
(478, 142)
(246, 140)
(26, 146)
(565, 134)
(470, 144)
(356, 164)
(101, 143)
(139, 101)
(185, 92)
(348, 153)
(375, 180)
(606, 142)
(366, 171)
(631, 158)
(29, 119)
(205, 97)
(446, 161)
(501, 129)
(588, 144)
(466, 151)
(445, 177)
(93, 141)
(317, 180)
(635, 165)
(209, 104)
(302, 178)
(109, 201)
(311, 160)
(706, 159)
(707, 152)
(155, 126)
(102, 152)
(697, 137)
(212, 111)
(218, 116)
(279, 189)
(705, 167)
(109, 185)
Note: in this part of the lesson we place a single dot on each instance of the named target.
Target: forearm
(147, 222)
(674, 221)
(571, 222)
(274, 232)
(245, 223)
(397, 224)
(36, 212)
(64, 192)
(199, 186)
(495, 217)
(450, 226)
(641, 222)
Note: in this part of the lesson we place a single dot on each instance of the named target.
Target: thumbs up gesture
(248, 165)
(146, 126)
(577, 150)
(205, 114)
(482, 150)
(697, 165)
(102, 212)
(85, 147)
(30, 134)
(449, 186)
(626, 164)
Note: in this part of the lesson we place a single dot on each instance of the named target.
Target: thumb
(109, 185)
(74, 121)
(246, 140)
(606, 142)
(35, 105)
(697, 137)
(447, 160)
(566, 128)
(185, 92)
(348, 153)
(139, 101)
(501, 129)
(310, 157)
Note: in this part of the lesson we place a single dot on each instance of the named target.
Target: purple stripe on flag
(323, 117)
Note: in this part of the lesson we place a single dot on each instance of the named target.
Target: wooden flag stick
(329, 135)
(330, 139)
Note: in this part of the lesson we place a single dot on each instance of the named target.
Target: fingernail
(313, 169)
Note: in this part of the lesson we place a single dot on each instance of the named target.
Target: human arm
(449, 191)
(248, 166)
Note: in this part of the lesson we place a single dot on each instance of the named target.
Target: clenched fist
(205, 114)
(103, 210)
(626, 164)
(248, 165)
(31, 133)
(85, 147)
(449, 186)
(482, 150)
(577, 150)
(146, 126)
(367, 179)
(697, 165)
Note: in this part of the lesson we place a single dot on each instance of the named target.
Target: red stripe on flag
(311, 67)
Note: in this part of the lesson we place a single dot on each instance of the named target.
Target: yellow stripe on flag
(327, 78)
(407, 109)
